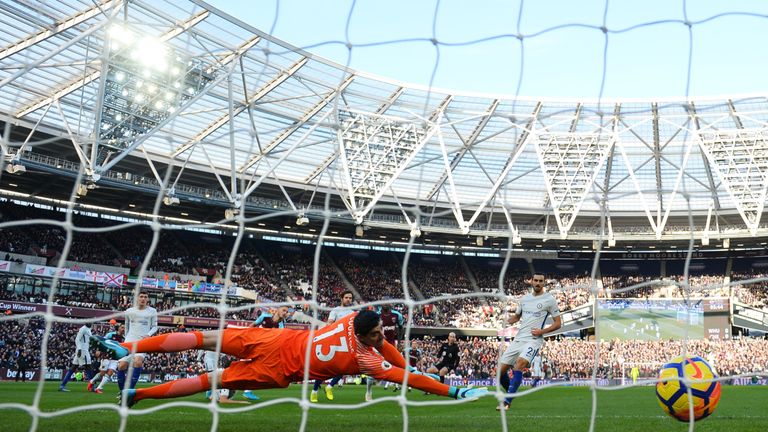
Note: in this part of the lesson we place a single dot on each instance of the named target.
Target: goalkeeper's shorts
(261, 367)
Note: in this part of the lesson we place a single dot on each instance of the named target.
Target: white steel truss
(227, 117)
(570, 163)
(298, 124)
(477, 156)
(375, 149)
(741, 159)
(332, 157)
(62, 26)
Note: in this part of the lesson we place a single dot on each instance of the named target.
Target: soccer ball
(673, 394)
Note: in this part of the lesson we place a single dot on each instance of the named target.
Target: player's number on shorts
(333, 349)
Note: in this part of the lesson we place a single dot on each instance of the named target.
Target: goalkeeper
(272, 358)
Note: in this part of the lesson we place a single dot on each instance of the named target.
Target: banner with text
(103, 278)
(185, 286)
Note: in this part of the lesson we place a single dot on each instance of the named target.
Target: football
(672, 392)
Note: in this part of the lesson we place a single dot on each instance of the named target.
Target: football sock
(535, 381)
(171, 342)
(94, 379)
(135, 376)
(317, 385)
(67, 377)
(121, 379)
(517, 379)
(103, 381)
(176, 388)
(369, 384)
(442, 379)
(335, 381)
(504, 381)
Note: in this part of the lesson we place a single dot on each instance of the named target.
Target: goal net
(251, 168)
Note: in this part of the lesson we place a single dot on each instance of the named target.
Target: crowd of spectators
(23, 338)
(571, 358)
(123, 299)
(564, 359)
(479, 356)
(286, 271)
(575, 358)
(20, 341)
(754, 294)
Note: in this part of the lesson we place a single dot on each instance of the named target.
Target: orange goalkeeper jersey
(336, 351)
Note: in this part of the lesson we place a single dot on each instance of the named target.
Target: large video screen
(652, 319)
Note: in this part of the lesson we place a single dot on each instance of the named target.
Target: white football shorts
(83, 359)
(107, 364)
(527, 349)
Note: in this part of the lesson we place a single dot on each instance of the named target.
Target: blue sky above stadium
(562, 50)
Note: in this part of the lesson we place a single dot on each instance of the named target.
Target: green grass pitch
(552, 409)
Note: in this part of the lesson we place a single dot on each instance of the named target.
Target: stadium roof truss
(183, 85)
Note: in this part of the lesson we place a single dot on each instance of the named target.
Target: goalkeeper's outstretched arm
(393, 370)
(425, 383)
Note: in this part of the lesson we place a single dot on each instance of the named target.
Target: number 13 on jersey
(333, 349)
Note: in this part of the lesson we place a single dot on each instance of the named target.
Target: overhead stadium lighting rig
(375, 149)
(12, 165)
(170, 197)
(145, 83)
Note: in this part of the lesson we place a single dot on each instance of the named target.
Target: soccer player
(336, 314)
(108, 366)
(391, 324)
(82, 357)
(414, 354)
(449, 358)
(532, 312)
(273, 358)
(537, 372)
(272, 319)
(211, 363)
(140, 322)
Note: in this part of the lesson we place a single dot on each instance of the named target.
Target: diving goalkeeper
(272, 358)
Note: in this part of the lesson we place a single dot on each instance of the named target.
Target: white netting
(257, 115)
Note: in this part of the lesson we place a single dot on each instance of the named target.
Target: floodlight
(12, 168)
(144, 82)
(82, 190)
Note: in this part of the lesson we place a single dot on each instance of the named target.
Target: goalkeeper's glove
(467, 393)
(413, 370)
